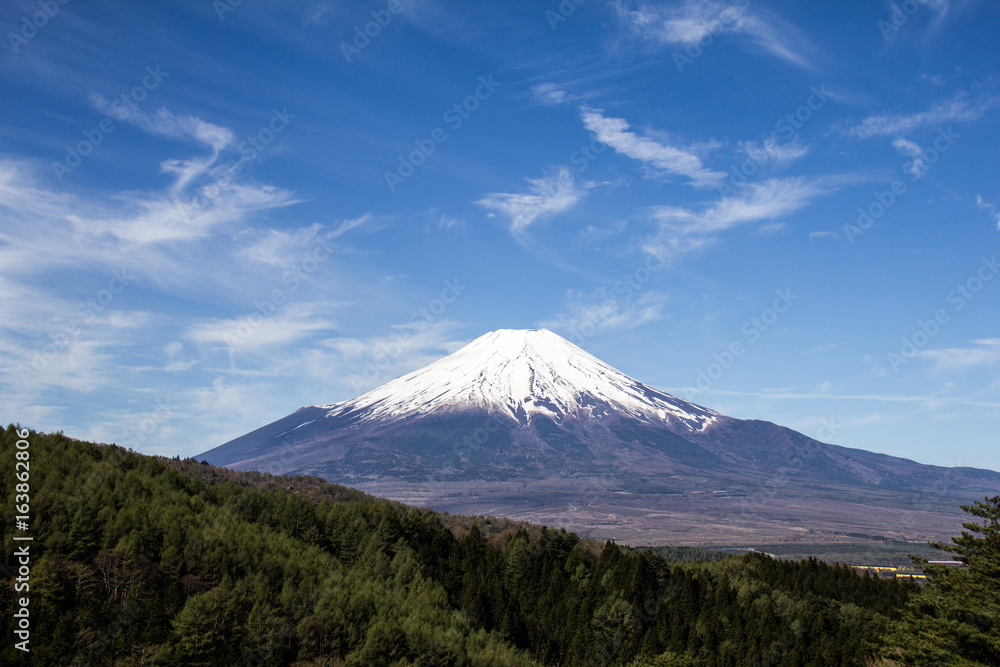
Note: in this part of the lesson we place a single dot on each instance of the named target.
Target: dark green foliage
(686, 553)
(955, 620)
(145, 560)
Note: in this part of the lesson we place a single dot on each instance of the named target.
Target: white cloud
(682, 230)
(939, 13)
(822, 235)
(548, 94)
(697, 22)
(933, 78)
(988, 206)
(545, 198)
(770, 228)
(770, 152)
(907, 147)
(984, 352)
(447, 222)
(594, 234)
(59, 251)
(606, 309)
(168, 124)
(257, 330)
(614, 132)
(913, 150)
(46, 228)
(374, 360)
(959, 109)
(930, 401)
(281, 248)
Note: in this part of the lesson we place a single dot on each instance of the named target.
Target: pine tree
(955, 620)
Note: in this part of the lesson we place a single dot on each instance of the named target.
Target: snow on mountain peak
(521, 373)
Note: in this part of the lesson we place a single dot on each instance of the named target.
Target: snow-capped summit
(522, 373)
(527, 425)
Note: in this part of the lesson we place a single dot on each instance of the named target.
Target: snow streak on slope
(522, 373)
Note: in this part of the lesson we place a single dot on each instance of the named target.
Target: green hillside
(140, 560)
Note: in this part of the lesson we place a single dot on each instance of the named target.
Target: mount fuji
(524, 424)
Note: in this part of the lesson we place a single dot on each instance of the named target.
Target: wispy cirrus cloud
(912, 150)
(682, 230)
(615, 132)
(166, 123)
(282, 247)
(983, 352)
(99, 226)
(256, 332)
(605, 309)
(988, 207)
(169, 240)
(693, 21)
(546, 197)
(959, 109)
(373, 360)
(772, 153)
(932, 401)
(549, 94)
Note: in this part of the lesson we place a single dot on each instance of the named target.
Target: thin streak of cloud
(983, 352)
(990, 208)
(614, 132)
(693, 21)
(770, 152)
(604, 309)
(546, 197)
(294, 323)
(167, 124)
(935, 399)
(549, 94)
(958, 109)
(683, 230)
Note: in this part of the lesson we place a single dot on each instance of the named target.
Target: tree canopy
(142, 560)
(956, 619)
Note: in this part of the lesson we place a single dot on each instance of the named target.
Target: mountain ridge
(523, 423)
(533, 371)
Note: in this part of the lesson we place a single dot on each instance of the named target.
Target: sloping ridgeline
(140, 560)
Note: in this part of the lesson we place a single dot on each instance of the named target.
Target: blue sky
(212, 214)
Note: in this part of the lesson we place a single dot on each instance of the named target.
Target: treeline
(685, 553)
(141, 560)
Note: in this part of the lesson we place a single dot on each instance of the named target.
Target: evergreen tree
(955, 620)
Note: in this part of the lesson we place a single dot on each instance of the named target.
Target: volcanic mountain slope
(526, 424)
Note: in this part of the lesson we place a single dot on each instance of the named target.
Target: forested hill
(140, 560)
